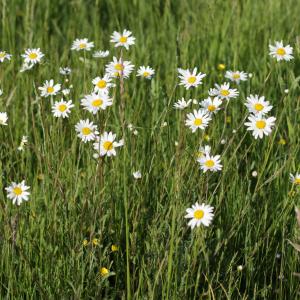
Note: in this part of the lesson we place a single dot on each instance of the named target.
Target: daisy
(145, 72)
(236, 76)
(281, 52)
(223, 91)
(211, 105)
(3, 118)
(190, 79)
(17, 192)
(26, 66)
(258, 105)
(4, 56)
(62, 108)
(210, 163)
(182, 104)
(86, 130)
(49, 88)
(198, 119)
(199, 214)
(295, 179)
(96, 101)
(65, 71)
(106, 145)
(103, 83)
(260, 125)
(100, 54)
(118, 67)
(32, 56)
(122, 39)
(137, 175)
(82, 44)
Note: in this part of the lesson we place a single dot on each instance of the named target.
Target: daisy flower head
(295, 179)
(182, 104)
(190, 79)
(236, 76)
(86, 130)
(223, 91)
(49, 88)
(32, 56)
(145, 72)
(96, 101)
(123, 39)
(211, 105)
(199, 119)
(4, 56)
(103, 83)
(281, 52)
(117, 67)
(3, 118)
(101, 54)
(210, 163)
(200, 214)
(82, 44)
(18, 192)
(258, 105)
(260, 125)
(65, 71)
(106, 145)
(62, 109)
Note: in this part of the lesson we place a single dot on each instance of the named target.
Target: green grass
(159, 257)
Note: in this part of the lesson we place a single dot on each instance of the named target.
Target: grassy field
(54, 245)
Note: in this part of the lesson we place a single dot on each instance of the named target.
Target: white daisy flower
(223, 91)
(62, 109)
(295, 179)
(106, 144)
(236, 76)
(82, 44)
(197, 119)
(103, 83)
(190, 79)
(3, 118)
(65, 71)
(281, 52)
(258, 105)
(23, 143)
(49, 88)
(199, 214)
(4, 55)
(210, 163)
(211, 105)
(118, 67)
(96, 101)
(137, 175)
(86, 130)
(122, 39)
(260, 125)
(32, 56)
(145, 72)
(100, 54)
(182, 104)
(18, 192)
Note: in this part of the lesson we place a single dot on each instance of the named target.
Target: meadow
(116, 227)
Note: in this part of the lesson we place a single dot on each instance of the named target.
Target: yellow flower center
(211, 108)
(123, 39)
(224, 92)
(86, 131)
(297, 181)
(146, 74)
(82, 45)
(280, 51)
(17, 191)
(62, 107)
(258, 107)
(50, 89)
(192, 79)
(197, 122)
(32, 55)
(119, 67)
(2, 54)
(101, 84)
(210, 163)
(97, 102)
(260, 124)
(108, 145)
(198, 214)
(236, 76)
